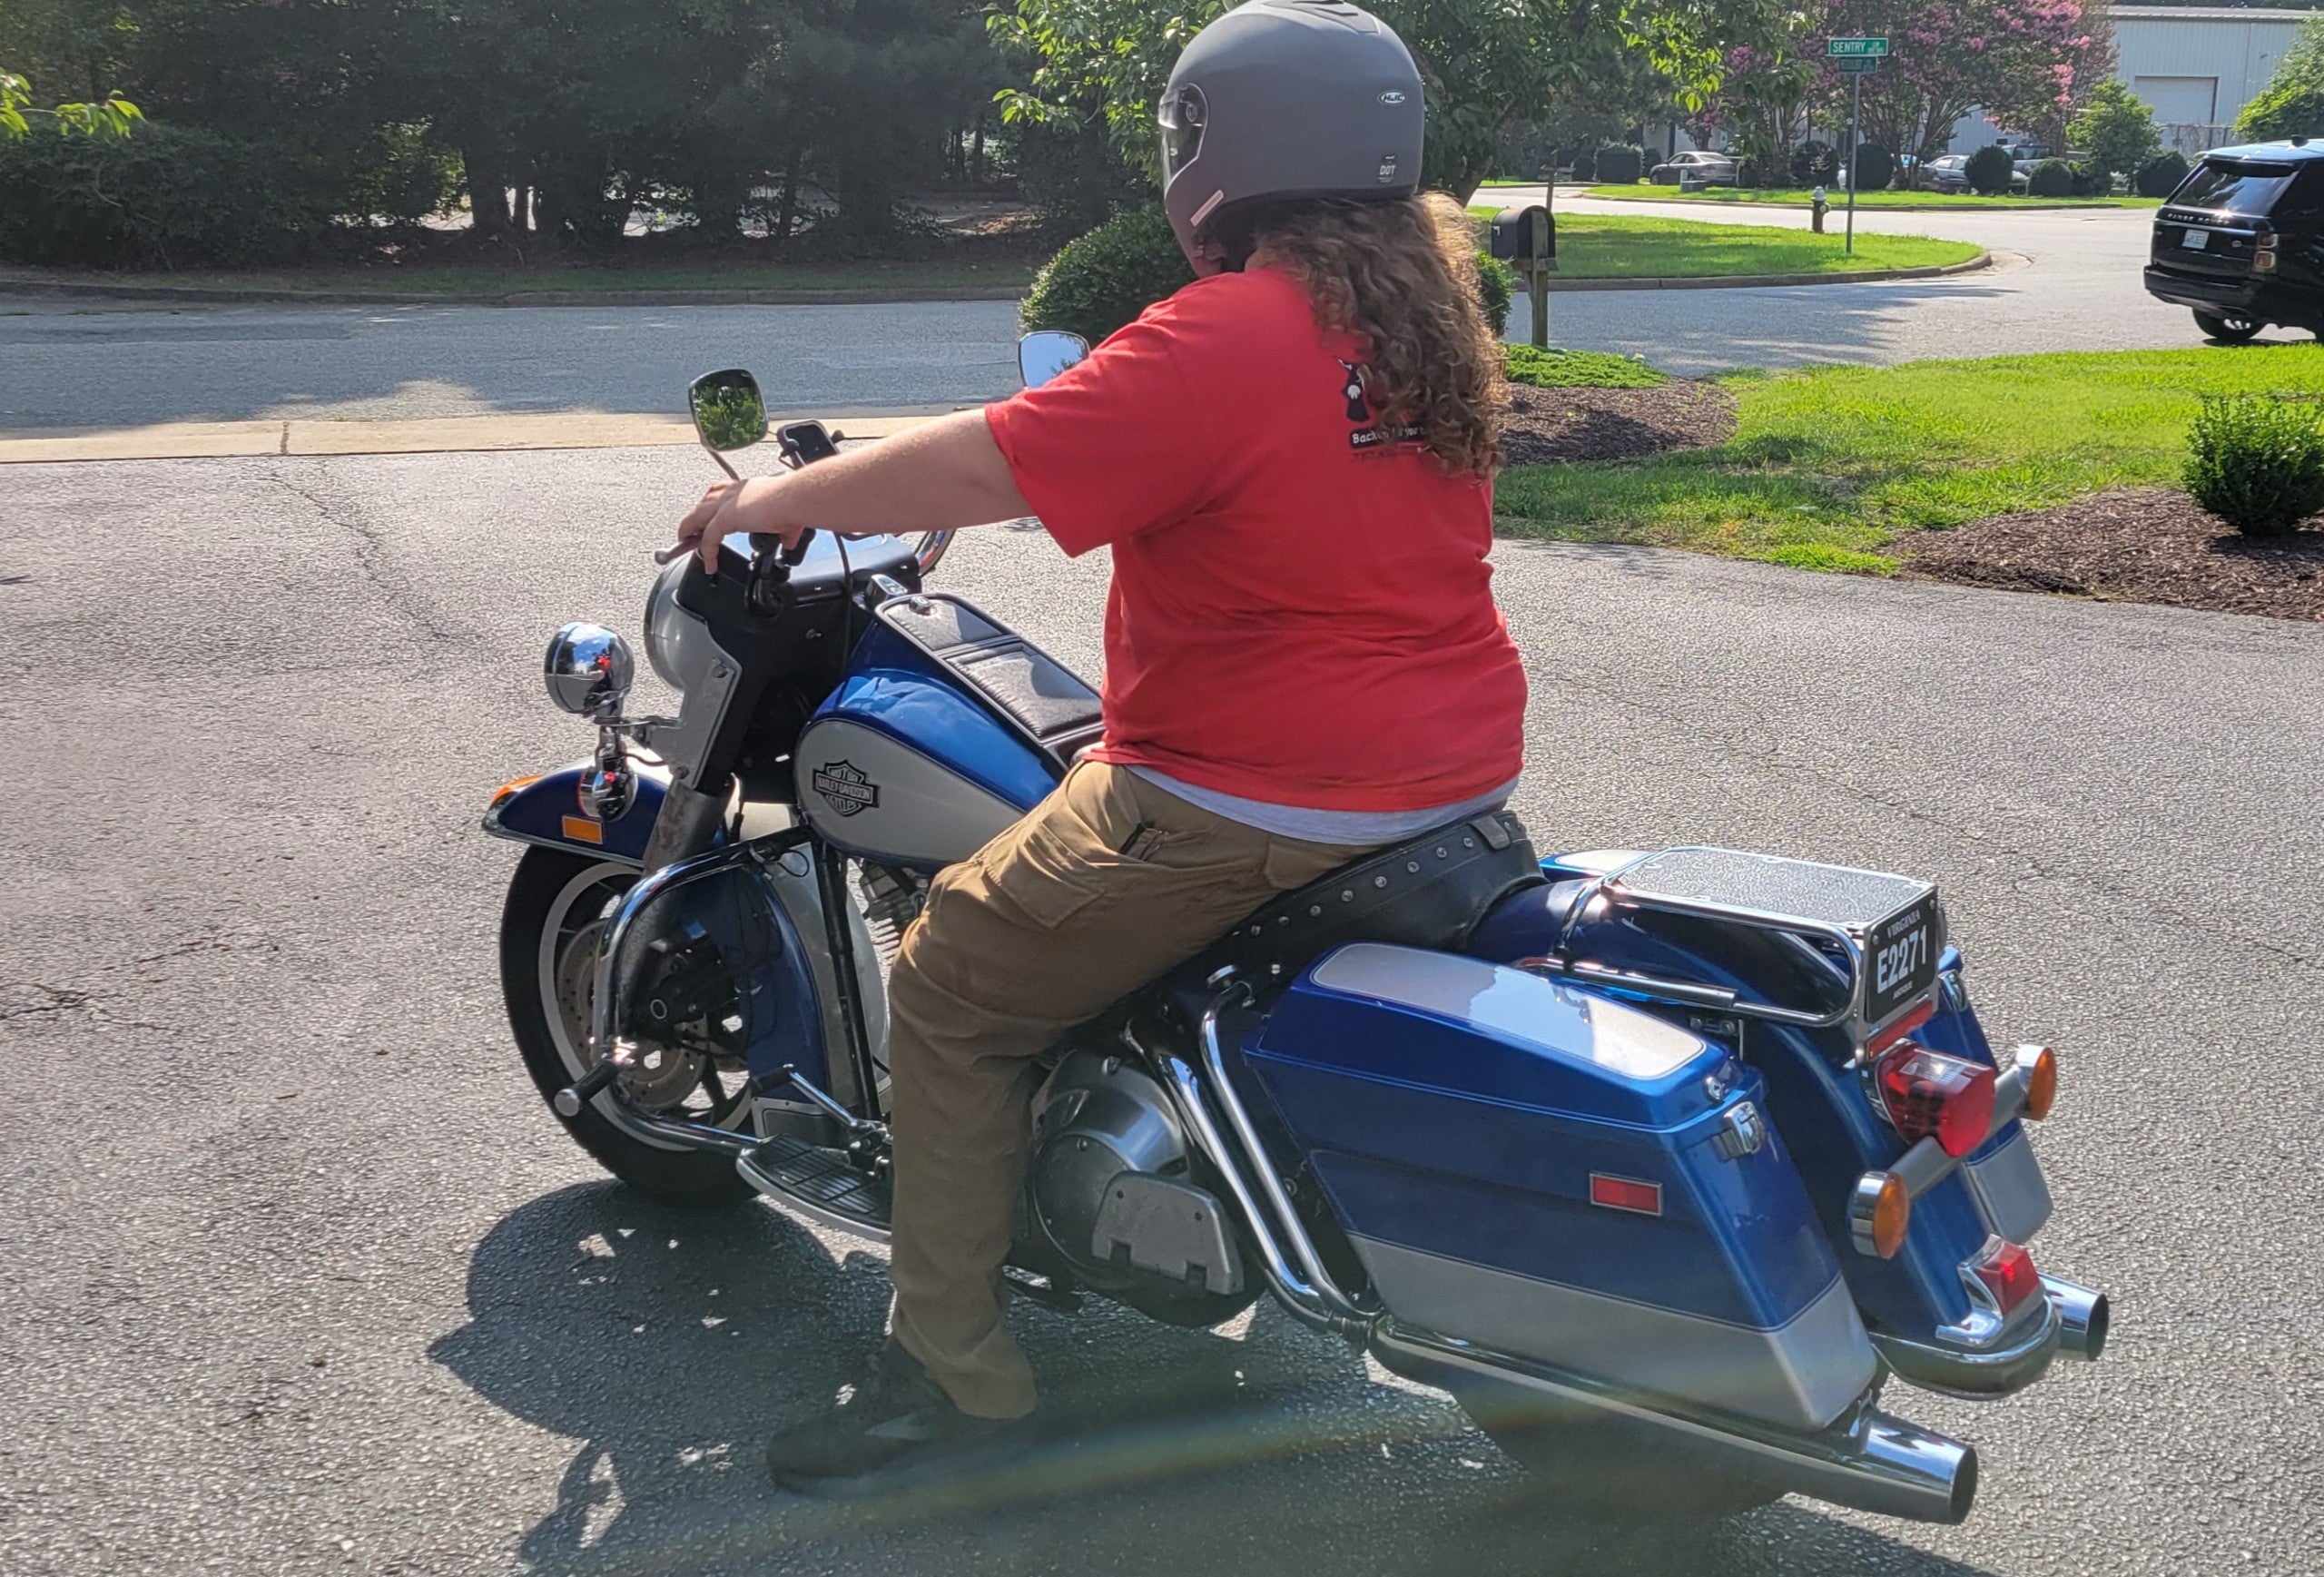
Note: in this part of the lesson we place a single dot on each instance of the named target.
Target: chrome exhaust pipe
(1868, 1461)
(2082, 1317)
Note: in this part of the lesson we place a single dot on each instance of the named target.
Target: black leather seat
(1429, 892)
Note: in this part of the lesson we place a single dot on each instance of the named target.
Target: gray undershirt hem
(1365, 828)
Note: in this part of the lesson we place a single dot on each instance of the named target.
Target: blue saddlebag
(1551, 1174)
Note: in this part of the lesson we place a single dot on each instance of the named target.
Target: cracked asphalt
(302, 1277)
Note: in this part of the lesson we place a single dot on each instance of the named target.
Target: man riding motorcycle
(1292, 460)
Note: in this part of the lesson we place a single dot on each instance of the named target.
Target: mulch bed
(1547, 425)
(2135, 545)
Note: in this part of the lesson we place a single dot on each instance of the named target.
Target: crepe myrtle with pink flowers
(2022, 62)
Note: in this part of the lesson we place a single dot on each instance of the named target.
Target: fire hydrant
(1817, 208)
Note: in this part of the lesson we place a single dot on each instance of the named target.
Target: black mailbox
(1524, 236)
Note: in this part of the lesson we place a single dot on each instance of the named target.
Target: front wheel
(1601, 1470)
(557, 905)
(2231, 329)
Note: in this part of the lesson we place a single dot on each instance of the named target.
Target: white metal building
(2196, 66)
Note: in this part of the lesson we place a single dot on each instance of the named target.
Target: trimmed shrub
(169, 197)
(1813, 163)
(1496, 284)
(1585, 164)
(1099, 281)
(2051, 178)
(2160, 176)
(1620, 164)
(1540, 368)
(1875, 167)
(2257, 462)
(1989, 171)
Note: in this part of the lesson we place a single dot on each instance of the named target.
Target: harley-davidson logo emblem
(846, 788)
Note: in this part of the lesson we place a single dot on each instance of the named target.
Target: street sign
(1856, 64)
(1848, 48)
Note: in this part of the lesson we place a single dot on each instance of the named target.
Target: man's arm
(936, 476)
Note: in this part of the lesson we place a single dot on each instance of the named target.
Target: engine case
(1110, 1195)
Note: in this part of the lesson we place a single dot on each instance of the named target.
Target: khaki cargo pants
(1106, 884)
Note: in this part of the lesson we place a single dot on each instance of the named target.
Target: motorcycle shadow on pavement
(669, 1343)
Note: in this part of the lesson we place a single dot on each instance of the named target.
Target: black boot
(896, 1425)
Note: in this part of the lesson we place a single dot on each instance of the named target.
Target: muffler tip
(2083, 1317)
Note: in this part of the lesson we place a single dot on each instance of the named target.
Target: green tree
(2117, 128)
(1485, 64)
(2293, 104)
(111, 116)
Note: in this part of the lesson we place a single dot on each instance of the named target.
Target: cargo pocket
(1039, 876)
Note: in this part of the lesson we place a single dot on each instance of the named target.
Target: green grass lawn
(1830, 465)
(433, 280)
(1619, 246)
(1798, 198)
(1540, 368)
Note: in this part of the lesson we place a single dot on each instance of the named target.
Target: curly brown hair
(1401, 278)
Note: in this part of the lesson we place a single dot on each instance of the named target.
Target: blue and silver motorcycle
(1663, 1162)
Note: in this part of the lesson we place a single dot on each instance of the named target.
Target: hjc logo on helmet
(1392, 96)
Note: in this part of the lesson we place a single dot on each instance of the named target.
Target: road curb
(1984, 259)
(23, 289)
(1878, 207)
(17, 289)
(505, 431)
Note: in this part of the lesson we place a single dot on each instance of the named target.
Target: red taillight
(2008, 1273)
(1926, 1092)
(1883, 1038)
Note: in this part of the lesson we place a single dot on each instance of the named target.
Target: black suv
(2241, 241)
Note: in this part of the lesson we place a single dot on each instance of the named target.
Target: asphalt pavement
(302, 1277)
(2070, 281)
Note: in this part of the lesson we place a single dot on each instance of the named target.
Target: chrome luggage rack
(1795, 898)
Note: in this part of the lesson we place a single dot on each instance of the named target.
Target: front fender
(548, 810)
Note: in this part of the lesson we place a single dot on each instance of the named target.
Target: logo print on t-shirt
(1359, 412)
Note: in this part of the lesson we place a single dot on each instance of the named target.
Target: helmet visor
(1181, 117)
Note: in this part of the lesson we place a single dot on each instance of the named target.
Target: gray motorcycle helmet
(1280, 100)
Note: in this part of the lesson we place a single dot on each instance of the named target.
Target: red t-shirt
(1299, 614)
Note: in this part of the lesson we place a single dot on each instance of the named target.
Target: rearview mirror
(1046, 352)
(729, 413)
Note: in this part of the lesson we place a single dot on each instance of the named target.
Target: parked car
(2240, 243)
(1949, 172)
(1698, 164)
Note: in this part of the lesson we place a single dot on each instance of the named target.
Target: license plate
(1901, 956)
(2196, 240)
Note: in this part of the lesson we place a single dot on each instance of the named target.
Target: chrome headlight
(677, 643)
(588, 670)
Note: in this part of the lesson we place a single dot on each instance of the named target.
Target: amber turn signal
(508, 790)
(1878, 1214)
(2041, 1066)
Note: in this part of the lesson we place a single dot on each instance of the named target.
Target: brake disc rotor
(663, 1075)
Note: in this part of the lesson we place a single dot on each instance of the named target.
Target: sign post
(1854, 56)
